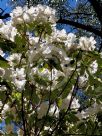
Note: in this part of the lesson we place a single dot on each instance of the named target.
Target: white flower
(34, 55)
(41, 8)
(1, 104)
(71, 37)
(3, 88)
(94, 109)
(48, 11)
(5, 109)
(66, 101)
(58, 35)
(20, 132)
(33, 13)
(40, 13)
(75, 104)
(19, 73)
(8, 31)
(18, 20)
(47, 50)
(9, 128)
(42, 110)
(67, 69)
(44, 73)
(17, 12)
(70, 42)
(83, 80)
(32, 10)
(54, 111)
(62, 34)
(100, 54)
(1, 53)
(8, 73)
(20, 84)
(14, 59)
(1, 23)
(2, 72)
(82, 115)
(33, 40)
(18, 78)
(26, 18)
(47, 128)
(52, 19)
(93, 67)
(87, 44)
(17, 15)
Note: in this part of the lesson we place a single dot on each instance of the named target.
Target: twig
(23, 115)
(49, 105)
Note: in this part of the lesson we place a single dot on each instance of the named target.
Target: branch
(100, 47)
(22, 112)
(74, 92)
(97, 8)
(79, 25)
(50, 91)
(68, 109)
(79, 13)
(4, 16)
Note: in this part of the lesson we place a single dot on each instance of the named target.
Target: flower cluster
(8, 31)
(46, 64)
(39, 13)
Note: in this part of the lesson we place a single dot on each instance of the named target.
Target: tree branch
(23, 116)
(97, 8)
(81, 26)
(68, 109)
(4, 16)
(79, 13)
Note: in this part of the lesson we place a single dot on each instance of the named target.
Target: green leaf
(8, 120)
(0, 120)
(54, 94)
(2, 96)
(3, 62)
(6, 45)
(55, 62)
(35, 98)
(30, 93)
(59, 102)
(99, 116)
(82, 127)
(71, 117)
(32, 117)
(98, 89)
(99, 98)
(66, 90)
(40, 80)
(20, 43)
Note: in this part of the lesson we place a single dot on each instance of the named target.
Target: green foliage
(3, 62)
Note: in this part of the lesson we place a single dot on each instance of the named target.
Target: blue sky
(4, 5)
(73, 2)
